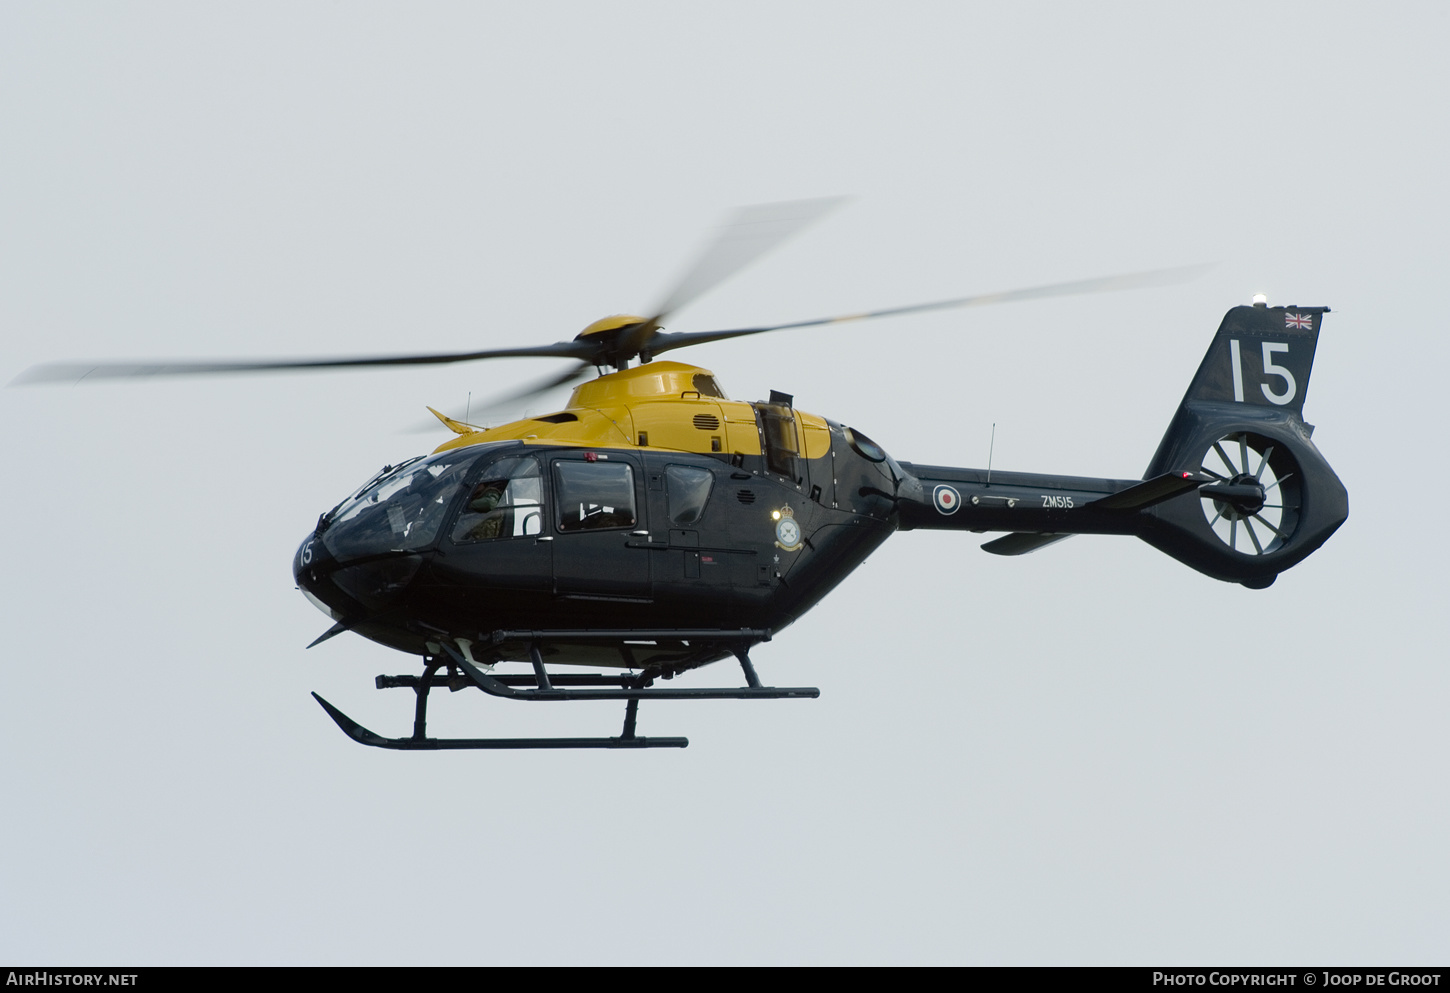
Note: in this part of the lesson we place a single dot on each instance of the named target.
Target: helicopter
(653, 525)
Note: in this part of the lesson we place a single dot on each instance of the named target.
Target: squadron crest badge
(787, 531)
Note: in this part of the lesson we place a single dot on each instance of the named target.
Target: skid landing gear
(542, 686)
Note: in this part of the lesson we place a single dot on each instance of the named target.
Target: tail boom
(960, 499)
(1236, 489)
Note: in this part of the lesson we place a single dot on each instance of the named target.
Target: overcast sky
(1091, 754)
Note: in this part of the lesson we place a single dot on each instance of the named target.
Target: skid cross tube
(546, 690)
(517, 679)
(724, 635)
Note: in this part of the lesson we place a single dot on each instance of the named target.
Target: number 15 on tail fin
(1260, 356)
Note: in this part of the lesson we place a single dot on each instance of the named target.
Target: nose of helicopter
(339, 589)
(311, 569)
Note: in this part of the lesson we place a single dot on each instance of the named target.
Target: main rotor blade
(749, 233)
(1103, 284)
(60, 372)
(536, 388)
(507, 400)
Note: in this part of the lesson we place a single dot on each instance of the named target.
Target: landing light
(775, 515)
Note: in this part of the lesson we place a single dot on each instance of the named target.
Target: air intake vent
(745, 496)
(707, 422)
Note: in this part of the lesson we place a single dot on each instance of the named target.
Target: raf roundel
(947, 499)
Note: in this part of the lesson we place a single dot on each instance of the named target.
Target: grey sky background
(1087, 755)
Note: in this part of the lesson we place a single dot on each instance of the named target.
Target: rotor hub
(1242, 496)
(606, 334)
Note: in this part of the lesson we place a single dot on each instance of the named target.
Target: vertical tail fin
(1261, 356)
(1273, 499)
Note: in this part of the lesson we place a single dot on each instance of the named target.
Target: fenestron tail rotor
(1253, 503)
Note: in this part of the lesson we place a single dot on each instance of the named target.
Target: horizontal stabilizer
(1150, 491)
(1133, 499)
(1022, 542)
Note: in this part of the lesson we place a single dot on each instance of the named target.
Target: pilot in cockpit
(486, 496)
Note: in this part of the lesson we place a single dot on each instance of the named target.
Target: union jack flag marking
(1302, 322)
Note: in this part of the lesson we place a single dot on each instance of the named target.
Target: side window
(594, 495)
(781, 447)
(688, 489)
(506, 502)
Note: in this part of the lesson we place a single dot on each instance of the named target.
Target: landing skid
(541, 686)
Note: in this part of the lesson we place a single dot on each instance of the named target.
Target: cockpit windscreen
(401, 510)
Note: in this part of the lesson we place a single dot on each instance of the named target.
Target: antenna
(990, 449)
(468, 408)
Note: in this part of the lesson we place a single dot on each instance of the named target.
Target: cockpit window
(688, 489)
(506, 502)
(594, 495)
(377, 477)
(401, 511)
